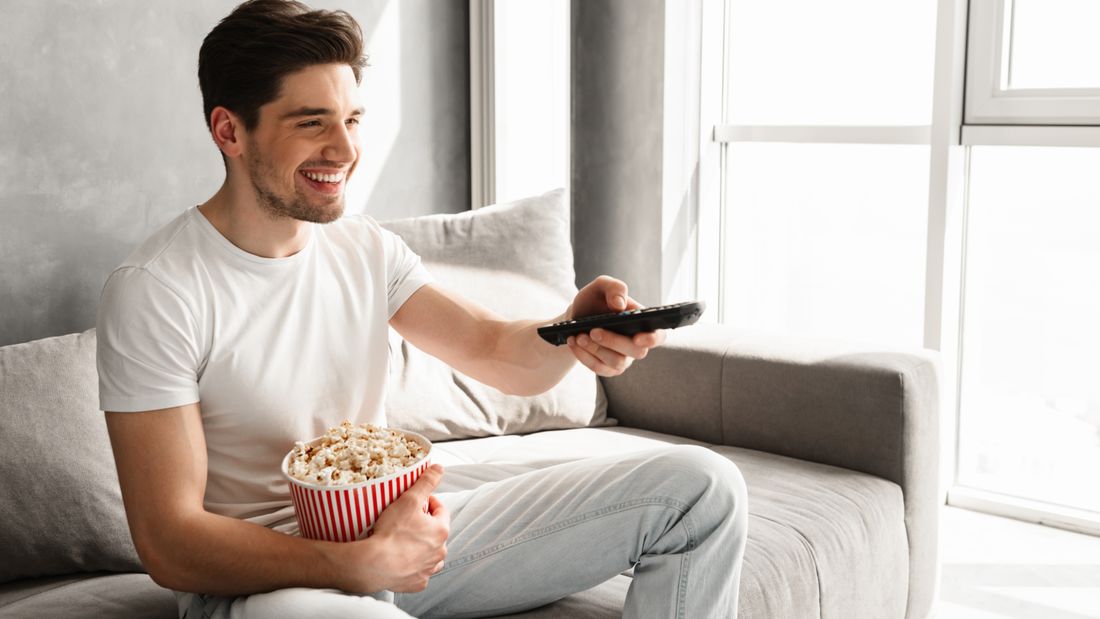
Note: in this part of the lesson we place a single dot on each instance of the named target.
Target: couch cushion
(60, 501)
(517, 260)
(100, 595)
(823, 541)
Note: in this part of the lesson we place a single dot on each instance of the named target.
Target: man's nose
(342, 145)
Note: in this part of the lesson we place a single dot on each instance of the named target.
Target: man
(259, 318)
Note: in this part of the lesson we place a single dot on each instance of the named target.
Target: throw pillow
(517, 260)
(59, 501)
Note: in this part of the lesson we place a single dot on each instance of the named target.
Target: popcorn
(350, 454)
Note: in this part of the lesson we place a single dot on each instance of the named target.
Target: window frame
(989, 101)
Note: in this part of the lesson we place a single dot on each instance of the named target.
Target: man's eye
(310, 123)
(353, 121)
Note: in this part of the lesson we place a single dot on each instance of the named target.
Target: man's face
(306, 145)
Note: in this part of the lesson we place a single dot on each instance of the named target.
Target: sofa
(837, 442)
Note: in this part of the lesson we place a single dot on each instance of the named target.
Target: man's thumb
(616, 296)
(427, 482)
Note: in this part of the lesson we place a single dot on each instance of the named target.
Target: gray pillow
(517, 260)
(60, 502)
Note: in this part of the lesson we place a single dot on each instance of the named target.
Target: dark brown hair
(243, 61)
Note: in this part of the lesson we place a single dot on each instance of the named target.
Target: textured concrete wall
(102, 138)
(618, 70)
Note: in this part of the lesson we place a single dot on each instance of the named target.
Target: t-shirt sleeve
(147, 345)
(404, 272)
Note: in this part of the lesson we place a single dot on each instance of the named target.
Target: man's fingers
(438, 510)
(586, 358)
(592, 361)
(650, 339)
(610, 357)
(619, 343)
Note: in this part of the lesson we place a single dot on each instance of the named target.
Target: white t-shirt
(275, 350)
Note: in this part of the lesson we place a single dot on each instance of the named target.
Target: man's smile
(327, 183)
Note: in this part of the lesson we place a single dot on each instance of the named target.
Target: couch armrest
(846, 405)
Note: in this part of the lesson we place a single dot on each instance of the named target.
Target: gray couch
(837, 443)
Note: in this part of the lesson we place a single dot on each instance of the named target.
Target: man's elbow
(161, 561)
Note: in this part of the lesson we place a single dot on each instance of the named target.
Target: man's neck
(244, 223)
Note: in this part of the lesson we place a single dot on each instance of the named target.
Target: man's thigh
(531, 539)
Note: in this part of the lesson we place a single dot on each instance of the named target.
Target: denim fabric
(677, 516)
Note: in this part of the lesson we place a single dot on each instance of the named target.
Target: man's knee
(703, 475)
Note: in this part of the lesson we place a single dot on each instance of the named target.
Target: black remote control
(628, 322)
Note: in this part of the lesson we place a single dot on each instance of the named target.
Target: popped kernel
(350, 454)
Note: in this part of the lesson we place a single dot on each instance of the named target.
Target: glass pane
(827, 240)
(845, 62)
(1055, 44)
(1030, 391)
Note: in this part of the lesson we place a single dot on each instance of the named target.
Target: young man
(259, 318)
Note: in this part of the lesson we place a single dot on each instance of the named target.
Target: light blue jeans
(677, 515)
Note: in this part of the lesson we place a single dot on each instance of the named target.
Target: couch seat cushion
(823, 541)
(101, 595)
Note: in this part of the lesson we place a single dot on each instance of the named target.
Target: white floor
(999, 568)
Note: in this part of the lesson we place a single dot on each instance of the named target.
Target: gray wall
(102, 138)
(618, 69)
(636, 144)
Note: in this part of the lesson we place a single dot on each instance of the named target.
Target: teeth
(324, 178)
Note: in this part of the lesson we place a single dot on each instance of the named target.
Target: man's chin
(327, 213)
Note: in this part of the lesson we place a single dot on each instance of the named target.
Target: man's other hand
(605, 352)
(408, 543)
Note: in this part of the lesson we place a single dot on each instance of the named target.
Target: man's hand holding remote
(605, 352)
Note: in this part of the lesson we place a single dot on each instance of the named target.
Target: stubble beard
(296, 206)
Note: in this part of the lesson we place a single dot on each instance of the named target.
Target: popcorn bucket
(346, 513)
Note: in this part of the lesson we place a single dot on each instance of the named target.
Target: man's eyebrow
(316, 111)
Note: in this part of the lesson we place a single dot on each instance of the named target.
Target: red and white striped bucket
(347, 513)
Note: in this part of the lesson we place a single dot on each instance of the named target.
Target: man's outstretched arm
(161, 461)
(510, 355)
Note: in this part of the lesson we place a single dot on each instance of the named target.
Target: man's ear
(227, 130)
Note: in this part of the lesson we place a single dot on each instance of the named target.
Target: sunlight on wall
(381, 94)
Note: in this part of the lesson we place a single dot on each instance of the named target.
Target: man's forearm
(219, 555)
(526, 364)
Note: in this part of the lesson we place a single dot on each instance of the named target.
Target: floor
(999, 568)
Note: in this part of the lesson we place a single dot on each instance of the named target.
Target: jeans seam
(565, 524)
(685, 567)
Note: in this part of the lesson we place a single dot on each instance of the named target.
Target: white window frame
(990, 101)
(500, 145)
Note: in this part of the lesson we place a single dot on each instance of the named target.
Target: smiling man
(260, 317)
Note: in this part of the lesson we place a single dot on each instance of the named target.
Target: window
(826, 167)
(1030, 401)
(1029, 407)
(834, 168)
(827, 240)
